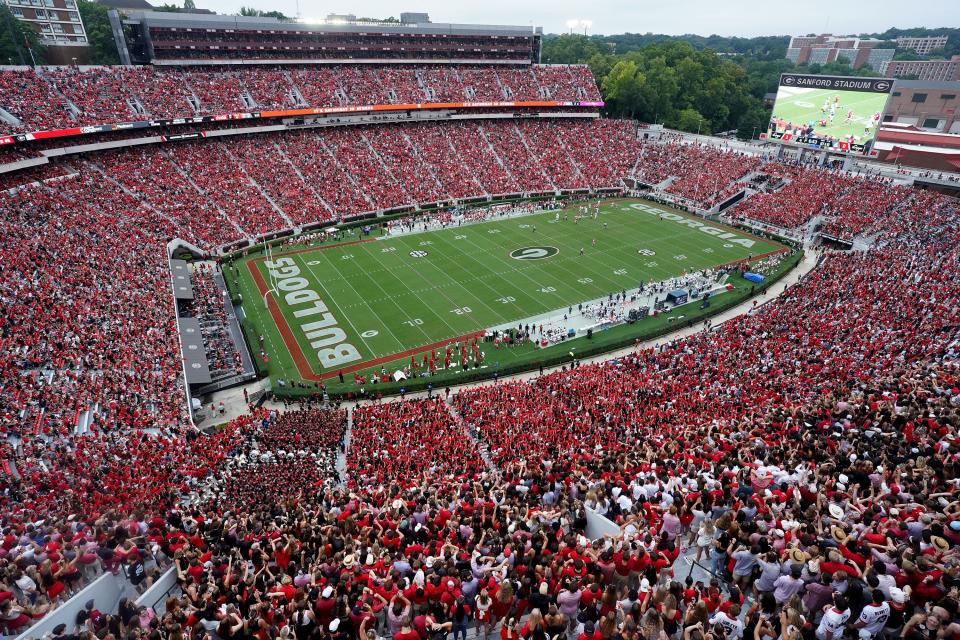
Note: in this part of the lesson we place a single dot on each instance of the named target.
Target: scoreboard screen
(832, 113)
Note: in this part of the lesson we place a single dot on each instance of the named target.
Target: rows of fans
(215, 192)
(806, 451)
(54, 97)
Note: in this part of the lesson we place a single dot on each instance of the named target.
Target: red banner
(286, 113)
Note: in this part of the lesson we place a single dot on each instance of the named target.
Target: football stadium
(357, 329)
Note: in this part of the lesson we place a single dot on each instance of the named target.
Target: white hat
(843, 478)
(644, 586)
(327, 592)
(835, 510)
(897, 595)
(334, 624)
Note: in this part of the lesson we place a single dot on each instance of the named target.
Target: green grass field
(801, 106)
(390, 298)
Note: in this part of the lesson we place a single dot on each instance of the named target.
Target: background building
(926, 105)
(827, 48)
(922, 46)
(932, 70)
(56, 21)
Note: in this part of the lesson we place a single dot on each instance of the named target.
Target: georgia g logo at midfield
(534, 253)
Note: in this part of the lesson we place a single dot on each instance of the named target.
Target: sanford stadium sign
(839, 83)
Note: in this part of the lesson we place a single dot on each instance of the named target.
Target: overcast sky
(704, 17)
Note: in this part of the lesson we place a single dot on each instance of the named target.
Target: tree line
(695, 83)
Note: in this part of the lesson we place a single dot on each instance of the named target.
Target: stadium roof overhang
(182, 282)
(168, 20)
(913, 136)
(195, 366)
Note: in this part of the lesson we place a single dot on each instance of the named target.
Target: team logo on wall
(534, 253)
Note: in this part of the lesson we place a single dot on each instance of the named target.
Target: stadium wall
(105, 592)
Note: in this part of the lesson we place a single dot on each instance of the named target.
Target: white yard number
(461, 311)
(426, 243)
(524, 226)
(388, 249)
(680, 256)
(413, 323)
(493, 231)
(585, 280)
(652, 264)
(459, 237)
(506, 299)
(707, 250)
(548, 290)
(620, 272)
(347, 256)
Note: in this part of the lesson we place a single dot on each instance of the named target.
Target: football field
(375, 301)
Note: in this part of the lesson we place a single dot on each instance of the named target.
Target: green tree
(621, 88)
(257, 13)
(906, 54)
(189, 5)
(601, 64)
(752, 122)
(15, 39)
(659, 92)
(103, 47)
(691, 120)
(569, 49)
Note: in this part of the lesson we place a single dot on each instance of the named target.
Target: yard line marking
(394, 302)
(413, 267)
(481, 279)
(458, 283)
(349, 319)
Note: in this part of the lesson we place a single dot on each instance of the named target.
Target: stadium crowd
(808, 193)
(207, 306)
(104, 95)
(215, 191)
(806, 453)
(701, 173)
